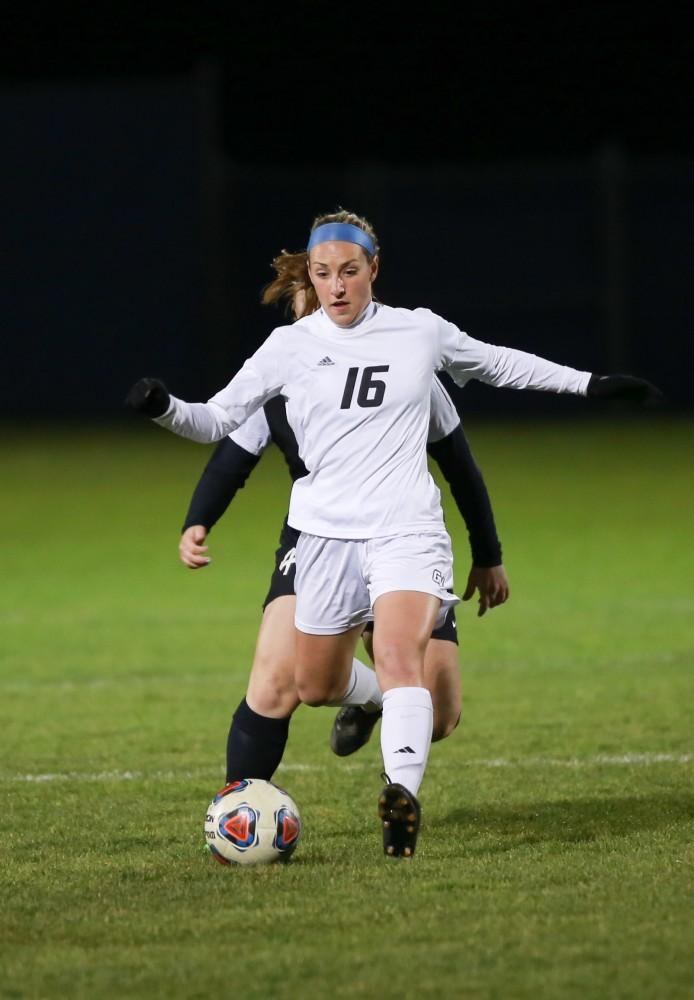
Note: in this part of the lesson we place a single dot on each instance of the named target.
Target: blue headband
(344, 232)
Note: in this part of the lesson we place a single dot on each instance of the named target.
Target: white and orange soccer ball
(252, 822)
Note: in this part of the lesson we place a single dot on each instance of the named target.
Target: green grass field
(555, 858)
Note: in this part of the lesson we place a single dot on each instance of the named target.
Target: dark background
(529, 172)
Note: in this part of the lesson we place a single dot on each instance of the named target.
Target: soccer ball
(252, 822)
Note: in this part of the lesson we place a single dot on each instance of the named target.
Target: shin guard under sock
(255, 744)
(408, 716)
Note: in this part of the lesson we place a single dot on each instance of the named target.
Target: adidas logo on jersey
(326, 361)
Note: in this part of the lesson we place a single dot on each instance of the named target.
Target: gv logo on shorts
(288, 561)
(438, 577)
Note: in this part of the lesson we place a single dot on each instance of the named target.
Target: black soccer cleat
(400, 813)
(352, 729)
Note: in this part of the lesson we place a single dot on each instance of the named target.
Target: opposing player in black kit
(357, 379)
(259, 728)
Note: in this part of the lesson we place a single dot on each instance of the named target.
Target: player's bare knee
(312, 698)
(315, 693)
(273, 691)
(273, 703)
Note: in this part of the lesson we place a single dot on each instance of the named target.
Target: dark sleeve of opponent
(453, 456)
(225, 473)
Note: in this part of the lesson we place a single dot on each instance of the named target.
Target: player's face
(342, 278)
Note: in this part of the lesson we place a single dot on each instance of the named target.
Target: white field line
(600, 760)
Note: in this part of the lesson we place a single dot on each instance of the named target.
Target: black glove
(149, 396)
(638, 390)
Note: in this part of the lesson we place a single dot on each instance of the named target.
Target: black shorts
(282, 582)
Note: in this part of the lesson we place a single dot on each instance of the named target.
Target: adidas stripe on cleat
(400, 814)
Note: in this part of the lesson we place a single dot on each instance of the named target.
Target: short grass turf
(555, 858)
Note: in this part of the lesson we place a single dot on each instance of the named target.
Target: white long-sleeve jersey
(358, 401)
(254, 435)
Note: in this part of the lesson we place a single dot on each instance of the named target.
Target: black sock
(255, 744)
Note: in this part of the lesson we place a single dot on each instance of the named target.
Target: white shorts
(338, 580)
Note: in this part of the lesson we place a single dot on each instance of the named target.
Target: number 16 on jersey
(371, 390)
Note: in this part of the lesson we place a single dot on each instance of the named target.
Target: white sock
(362, 690)
(408, 718)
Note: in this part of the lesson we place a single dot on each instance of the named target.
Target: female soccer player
(259, 728)
(357, 376)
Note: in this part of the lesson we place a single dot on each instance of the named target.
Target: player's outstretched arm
(257, 381)
(225, 474)
(506, 367)
(628, 387)
(468, 488)
(201, 422)
(454, 458)
(150, 397)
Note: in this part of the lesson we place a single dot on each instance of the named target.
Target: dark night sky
(312, 81)
(502, 115)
